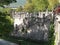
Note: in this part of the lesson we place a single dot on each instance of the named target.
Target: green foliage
(6, 2)
(29, 7)
(40, 5)
(5, 24)
(36, 5)
(29, 1)
(52, 4)
(19, 9)
(51, 34)
(5, 10)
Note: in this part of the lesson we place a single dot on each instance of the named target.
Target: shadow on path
(3, 42)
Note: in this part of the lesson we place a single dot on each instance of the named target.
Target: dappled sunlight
(20, 31)
(18, 21)
(45, 27)
(33, 27)
(29, 31)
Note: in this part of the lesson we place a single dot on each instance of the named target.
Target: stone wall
(34, 25)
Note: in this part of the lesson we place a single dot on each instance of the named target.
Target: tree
(29, 1)
(29, 7)
(19, 9)
(5, 23)
(36, 5)
(5, 19)
(6, 2)
(52, 4)
(41, 5)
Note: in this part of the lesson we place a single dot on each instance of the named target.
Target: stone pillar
(57, 30)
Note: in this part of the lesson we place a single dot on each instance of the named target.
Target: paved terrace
(4, 42)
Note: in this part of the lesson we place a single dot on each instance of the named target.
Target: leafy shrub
(51, 34)
(6, 23)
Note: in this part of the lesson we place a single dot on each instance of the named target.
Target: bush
(51, 34)
(5, 24)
